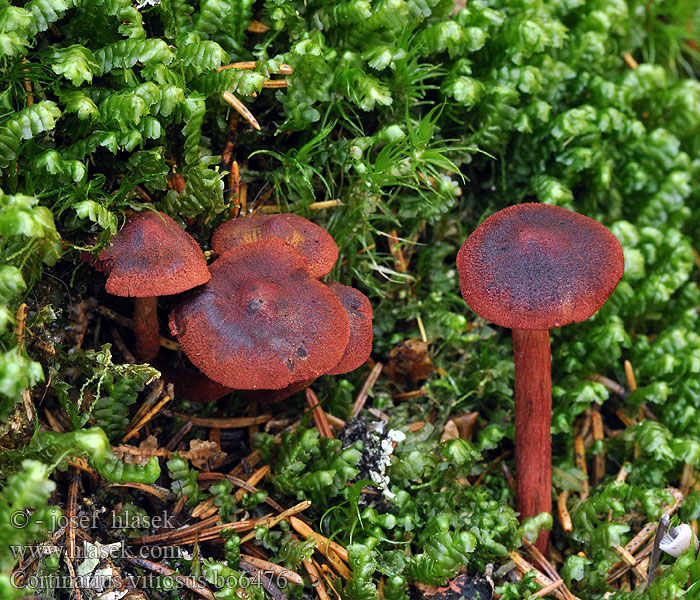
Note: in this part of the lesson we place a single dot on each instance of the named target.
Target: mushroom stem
(533, 418)
(146, 328)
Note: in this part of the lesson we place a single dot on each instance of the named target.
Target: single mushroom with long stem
(532, 267)
(151, 256)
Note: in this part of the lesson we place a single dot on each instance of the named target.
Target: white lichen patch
(383, 459)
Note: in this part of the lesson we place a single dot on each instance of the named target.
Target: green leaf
(89, 209)
(81, 104)
(76, 63)
(51, 162)
(199, 57)
(45, 13)
(24, 125)
(126, 53)
(17, 373)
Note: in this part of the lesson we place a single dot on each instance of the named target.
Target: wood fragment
(580, 460)
(629, 60)
(321, 204)
(322, 543)
(241, 109)
(188, 582)
(285, 514)
(53, 422)
(148, 403)
(598, 435)
(623, 472)
(206, 476)
(316, 580)
(204, 530)
(613, 386)
(318, 414)
(564, 516)
(267, 584)
(510, 480)
(163, 494)
(71, 513)
(275, 83)
(255, 478)
(249, 65)
(548, 589)
(631, 561)
(525, 567)
(20, 322)
(686, 478)
(257, 27)
(629, 376)
(81, 465)
(27, 84)
(73, 579)
(547, 567)
(220, 423)
(274, 568)
(421, 328)
(335, 422)
(235, 191)
(146, 418)
(326, 573)
(628, 421)
(366, 387)
(410, 395)
(378, 414)
(205, 509)
(395, 250)
(179, 436)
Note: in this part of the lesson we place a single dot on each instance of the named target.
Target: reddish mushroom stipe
(315, 244)
(262, 321)
(152, 256)
(359, 312)
(536, 266)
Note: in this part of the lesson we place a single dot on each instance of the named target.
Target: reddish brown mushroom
(151, 256)
(532, 267)
(262, 321)
(315, 244)
(359, 312)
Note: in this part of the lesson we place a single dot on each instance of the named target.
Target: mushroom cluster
(257, 318)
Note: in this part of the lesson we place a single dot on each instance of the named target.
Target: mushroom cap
(262, 320)
(536, 266)
(152, 256)
(237, 232)
(315, 243)
(359, 312)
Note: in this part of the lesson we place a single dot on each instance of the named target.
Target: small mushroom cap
(536, 266)
(152, 256)
(261, 321)
(315, 243)
(359, 312)
(237, 232)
